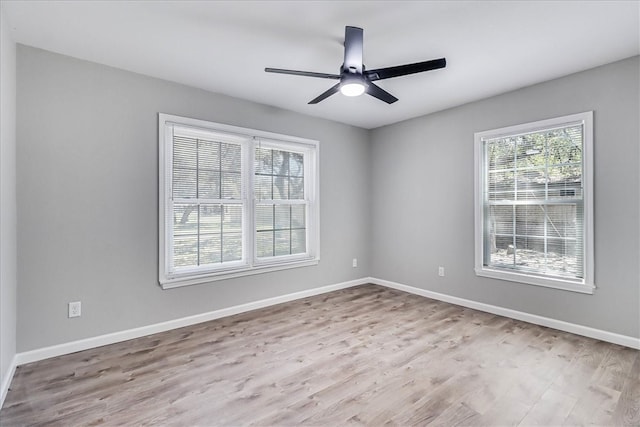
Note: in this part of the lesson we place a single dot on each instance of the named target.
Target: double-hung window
(234, 201)
(534, 215)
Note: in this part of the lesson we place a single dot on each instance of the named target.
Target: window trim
(248, 265)
(586, 284)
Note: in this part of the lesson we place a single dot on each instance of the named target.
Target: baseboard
(115, 337)
(6, 382)
(586, 331)
(112, 338)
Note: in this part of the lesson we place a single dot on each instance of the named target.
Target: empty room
(277, 213)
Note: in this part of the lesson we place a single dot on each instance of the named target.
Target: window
(234, 201)
(534, 186)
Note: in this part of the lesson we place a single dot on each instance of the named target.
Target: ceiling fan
(354, 78)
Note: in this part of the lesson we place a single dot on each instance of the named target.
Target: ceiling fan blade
(403, 70)
(352, 50)
(325, 95)
(381, 94)
(303, 73)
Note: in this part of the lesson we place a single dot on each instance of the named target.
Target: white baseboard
(87, 343)
(586, 331)
(6, 382)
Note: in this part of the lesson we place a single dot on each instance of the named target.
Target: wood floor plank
(627, 411)
(594, 407)
(507, 411)
(552, 409)
(366, 355)
(616, 367)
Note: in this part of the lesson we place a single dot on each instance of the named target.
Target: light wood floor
(365, 355)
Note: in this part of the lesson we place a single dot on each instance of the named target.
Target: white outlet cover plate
(75, 309)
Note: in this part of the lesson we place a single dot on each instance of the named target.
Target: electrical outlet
(75, 309)
(354, 263)
(441, 271)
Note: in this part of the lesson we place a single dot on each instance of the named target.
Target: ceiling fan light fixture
(352, 88)
(354, 79)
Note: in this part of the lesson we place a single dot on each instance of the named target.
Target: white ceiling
(223, 46)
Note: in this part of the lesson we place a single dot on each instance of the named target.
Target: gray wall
(87, 185)
(422, 203)
(7, 199)
(399, 198)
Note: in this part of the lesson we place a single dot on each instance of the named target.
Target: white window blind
(207, 201)
(533, 184)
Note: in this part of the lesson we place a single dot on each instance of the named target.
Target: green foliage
(553, 156)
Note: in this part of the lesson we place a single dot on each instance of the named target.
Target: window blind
(206, 201)
(280, 207)
(533, 202)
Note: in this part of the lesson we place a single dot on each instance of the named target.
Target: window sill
(177, 282)
(528, 279)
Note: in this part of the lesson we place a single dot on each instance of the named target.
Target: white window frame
(586, 284)
(250, 263)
